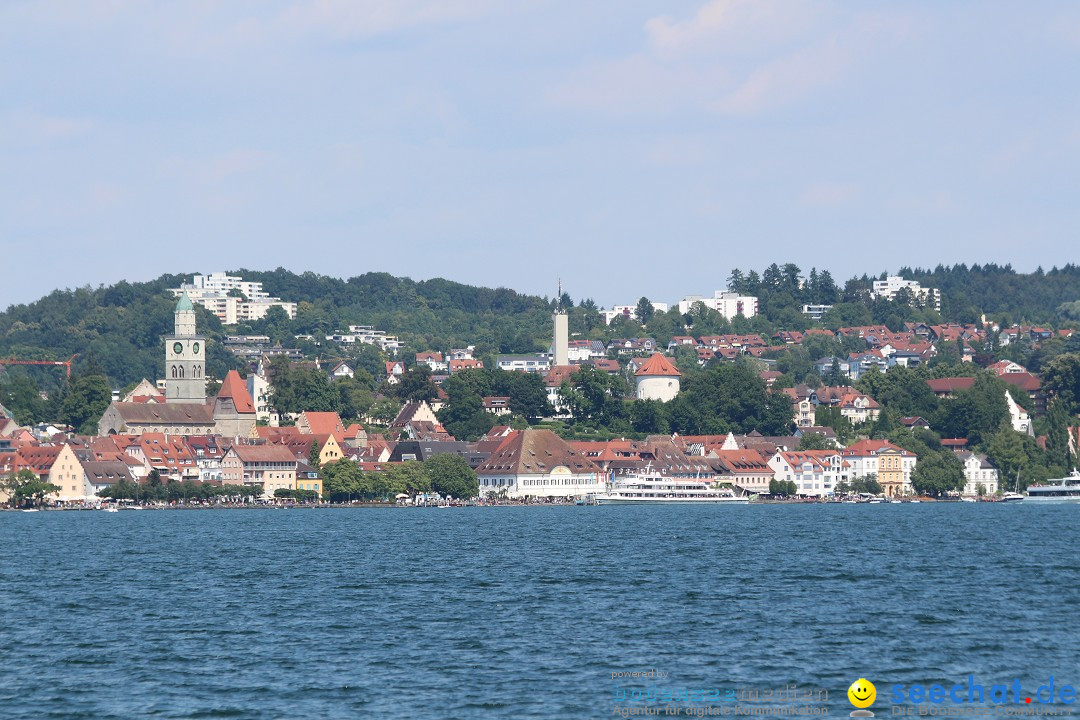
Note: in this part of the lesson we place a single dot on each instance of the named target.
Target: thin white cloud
(362, 18)
(640, 83)
(735, 26)
(220, 168)
(788, 79)
(28, 126)
(829, 194)
(735, 57)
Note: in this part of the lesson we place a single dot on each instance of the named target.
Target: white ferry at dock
(1066, 489)
(657, 489)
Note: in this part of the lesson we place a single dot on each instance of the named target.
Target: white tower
(560, 347)
(185, 358)
(657, 379)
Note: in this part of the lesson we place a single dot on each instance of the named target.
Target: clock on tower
(185, 357)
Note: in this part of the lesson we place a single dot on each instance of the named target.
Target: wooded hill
(117, 329)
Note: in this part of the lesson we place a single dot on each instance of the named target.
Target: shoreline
(384, 506)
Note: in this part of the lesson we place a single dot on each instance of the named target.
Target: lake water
(525, 612)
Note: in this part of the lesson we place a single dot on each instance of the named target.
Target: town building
(496, 404)
(271, 466)
(232, 299)
(433, 360)
(815, 473)
(816, 312)
(186, 410)
(523, 363)
(890, 287)
(628, 311)
(234, 410)
(185, 357)
(745, 469)
(728, 304)
(538, 463)
(891, 465)
(97, 475)
(980, 475)
(657, 379)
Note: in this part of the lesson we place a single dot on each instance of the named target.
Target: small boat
(31, 510)
(1015, 495)
(916, 501)
(968, 499)
(875, 502)
(111, 508)
(894, 502)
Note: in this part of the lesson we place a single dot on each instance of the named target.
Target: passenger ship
(1066, 489)
(651, 487)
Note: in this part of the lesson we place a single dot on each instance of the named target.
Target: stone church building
(186, 410)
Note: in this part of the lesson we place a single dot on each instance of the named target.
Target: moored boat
(1066, 489)
(654, 488)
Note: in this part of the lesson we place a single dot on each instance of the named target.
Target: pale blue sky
(631, 147)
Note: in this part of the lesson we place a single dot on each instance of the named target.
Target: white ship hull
(606, 499)
(654, 489)
(1059, 490)
(1052, 499)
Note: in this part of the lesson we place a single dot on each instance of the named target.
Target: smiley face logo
(862, 693)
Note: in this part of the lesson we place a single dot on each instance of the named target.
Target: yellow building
(891, 465)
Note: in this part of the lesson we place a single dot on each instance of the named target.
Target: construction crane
(66, 363)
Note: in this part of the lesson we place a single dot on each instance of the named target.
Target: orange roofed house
(538, 463)
(272, 466)
(891, 464)
(657, 379)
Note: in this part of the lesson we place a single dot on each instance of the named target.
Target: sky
(628, 147)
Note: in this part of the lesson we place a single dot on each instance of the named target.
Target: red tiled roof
(235, 389)
(944, 385)
(325, 423)
(871, 447)
(1023, 380)
(559, 373)
(658, 365)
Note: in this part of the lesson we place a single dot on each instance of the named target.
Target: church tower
(185, 358)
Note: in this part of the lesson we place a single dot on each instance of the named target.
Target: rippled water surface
(522, 612)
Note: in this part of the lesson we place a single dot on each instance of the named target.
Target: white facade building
(814, 472)
(1018, 416)
(212, 292)
(523, 363)
(815, 312)
(259, 389)
(368, 335)
(889, 287)
(728, 304)
(538, 463)
(627, 311)
(978, 471)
